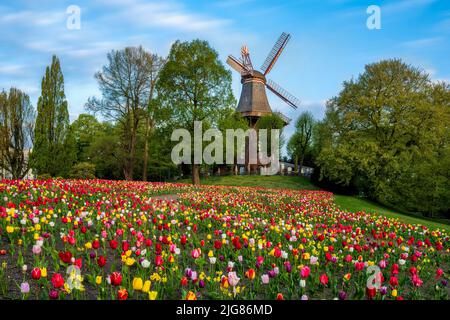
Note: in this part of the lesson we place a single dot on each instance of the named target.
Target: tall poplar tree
(54, 148)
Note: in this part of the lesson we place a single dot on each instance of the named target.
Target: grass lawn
(349, 203)
(282, 182)
(354, 204)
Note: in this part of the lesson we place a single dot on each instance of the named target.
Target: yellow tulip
(146, 286)
(137, 284)
(98, 280)
(394, 293)
(44, 272)
(152, 295)
(10, 229)
(88, 245)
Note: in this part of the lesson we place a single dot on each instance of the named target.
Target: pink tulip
(233, 279)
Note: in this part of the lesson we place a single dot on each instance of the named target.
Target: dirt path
(166, 197)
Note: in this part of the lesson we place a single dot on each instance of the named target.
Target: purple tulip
(53, 294)
(201, 284)
(383, 291)
(188, 273)
(272, 273)
(342, 295)
(444, 282)
(25, 287)
(92, 255)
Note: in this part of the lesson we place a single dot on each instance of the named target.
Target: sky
(330, 40)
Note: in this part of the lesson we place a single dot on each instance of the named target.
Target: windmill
(253, 102)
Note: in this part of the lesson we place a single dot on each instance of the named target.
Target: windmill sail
(275, 53)
(283, 94)
(236, 64)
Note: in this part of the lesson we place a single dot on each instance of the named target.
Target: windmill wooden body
(253, 102)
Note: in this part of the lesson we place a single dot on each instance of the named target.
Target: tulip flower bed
(70, 239)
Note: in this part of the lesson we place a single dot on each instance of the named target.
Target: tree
(196, 86)
(125, 84)
(230, 119)
(17, 118)
(54, 149)
(300, 143)
(154, 111)
(386, 133)
(85, 129)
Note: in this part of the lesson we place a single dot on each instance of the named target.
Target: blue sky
(330, 41)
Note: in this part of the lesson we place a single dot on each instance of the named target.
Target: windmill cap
(255, 74)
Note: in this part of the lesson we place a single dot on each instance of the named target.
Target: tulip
(138, 284)
(101, 261)
(265, 278)
(115, 278)
(304, 297)
(57, 280)
(153, 294)
(146, 286)
(53, 294)
(98, 280)
(36, 273)
(36, 249)
(44, 272)
(342, 295)
(25, 287)
(159, 261)
(190, 296)
(201, 284)
(122, 294)
(280, 296)
(233, 279)
(302, 283)
(250, 274)
(305, 271)
(439, 273)
(323, 279)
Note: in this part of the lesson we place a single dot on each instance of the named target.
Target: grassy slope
(354, 204)
(349, 203)
(282, 182)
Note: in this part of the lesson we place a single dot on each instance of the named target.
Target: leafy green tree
(196, 86)
(125, 83)
(17, 118)
(300, 144)
(106, 154)
(386, 133)
(54, 149)
(83, 170)
(85, 129)
(230, 119)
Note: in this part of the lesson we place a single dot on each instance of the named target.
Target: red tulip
(113, 244)
(96, 244)
(217, 244)
(371, 292)
(57, 280)
(101, 261)
(159, 261)
(323, 279)
(122, 294)
(280, 296)
(36, 273)
(183, 239)
(439, 273)
(393, 281)
(65, 256)
(116, 278)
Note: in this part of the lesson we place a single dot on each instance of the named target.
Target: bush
(83, 170)
(44, 176)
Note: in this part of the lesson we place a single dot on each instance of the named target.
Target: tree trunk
(300, 165)
(296, 164)
(196, 174)
(147, 134)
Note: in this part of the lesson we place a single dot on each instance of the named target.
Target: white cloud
(166, 14)
(424, 42)
(12, 69)
(404, 5)
(32, 18)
